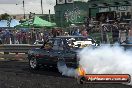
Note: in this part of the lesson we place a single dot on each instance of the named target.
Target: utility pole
(49, 16)
(131, 13)
(42, 6)
(24, 8)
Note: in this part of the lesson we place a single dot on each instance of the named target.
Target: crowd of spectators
(119, 33)
(22, 37)
(34, 35)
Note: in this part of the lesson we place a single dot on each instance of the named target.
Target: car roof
(69, 36)
(63, 37)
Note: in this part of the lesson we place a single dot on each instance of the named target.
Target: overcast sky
(20, 1)
(10, 7)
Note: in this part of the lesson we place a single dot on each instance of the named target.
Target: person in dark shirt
(115, 32)
(47, 45)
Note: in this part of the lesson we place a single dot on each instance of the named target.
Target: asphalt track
(16, 74)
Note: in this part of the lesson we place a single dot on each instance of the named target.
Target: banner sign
(122, 8)
(104, 9)
(105, 78)
(114, 8)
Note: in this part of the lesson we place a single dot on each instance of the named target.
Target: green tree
(5, 16)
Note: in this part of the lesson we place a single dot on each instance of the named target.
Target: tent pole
(24, 8)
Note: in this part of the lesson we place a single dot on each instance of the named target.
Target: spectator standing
(54, 32)
(77, 32)
(115, 32)
(24, 38)
(84, 33)
(123, 16)
(29, 38)
(122, 34)
(104, 33)
(12, 37)
(19, 37)
(7, 37)
(33, 37)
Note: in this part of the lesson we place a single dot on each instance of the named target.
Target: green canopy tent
(24, 25)
(37, 23)
(42, 23)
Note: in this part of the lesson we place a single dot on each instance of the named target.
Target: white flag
(60, 1)
(69, 1)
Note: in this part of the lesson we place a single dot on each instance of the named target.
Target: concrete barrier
(16, 51)
(17, 48)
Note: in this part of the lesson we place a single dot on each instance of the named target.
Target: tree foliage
(4, 16)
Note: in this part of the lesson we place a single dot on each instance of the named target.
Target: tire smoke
(106, 60)
(102, 60)
(71, 72)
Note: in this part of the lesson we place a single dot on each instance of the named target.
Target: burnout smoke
(71, 72)
(106, 60)
(101, 60)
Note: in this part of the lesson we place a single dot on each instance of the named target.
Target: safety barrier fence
(20, 50)
(16, 51)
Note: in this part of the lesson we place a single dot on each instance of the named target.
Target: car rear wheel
(81, 80)
(33, 63)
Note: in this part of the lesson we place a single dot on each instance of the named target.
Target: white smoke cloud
(106, 60)
(103, 60)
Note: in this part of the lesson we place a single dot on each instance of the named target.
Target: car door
(68, 54)
(56, 50)
(46, 52)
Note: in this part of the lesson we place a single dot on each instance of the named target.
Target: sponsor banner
(69, 1)
(60, 1)
(107, 78)
(123, 8)
(103, 9)
(114, 8)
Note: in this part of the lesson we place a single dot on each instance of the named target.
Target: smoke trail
(71, 72)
